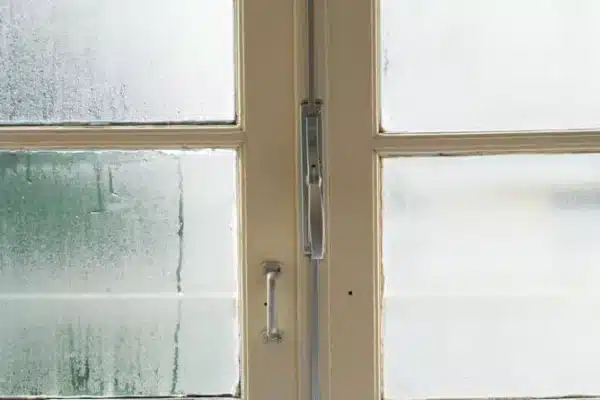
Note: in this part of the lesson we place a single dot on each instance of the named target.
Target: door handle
(272, 333)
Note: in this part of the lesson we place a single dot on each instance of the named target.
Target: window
(462, 159)
(140, 194)
(149, 167)
(466, 65)
(487, 274)
(68, 62)
(108, 280)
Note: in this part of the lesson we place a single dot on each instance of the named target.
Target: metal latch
(312, 183)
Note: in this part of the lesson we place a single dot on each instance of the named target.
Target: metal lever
(312, 190)
(272, 333)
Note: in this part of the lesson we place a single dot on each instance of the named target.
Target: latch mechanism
(312, 190)
(312, 183)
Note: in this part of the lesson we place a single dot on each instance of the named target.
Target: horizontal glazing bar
(120, 137)
(487, 143)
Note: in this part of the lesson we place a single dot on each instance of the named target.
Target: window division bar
(449, 144)
(122, 138)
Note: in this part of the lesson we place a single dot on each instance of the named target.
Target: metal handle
(315, 220)
(312, 189)
(272, 333)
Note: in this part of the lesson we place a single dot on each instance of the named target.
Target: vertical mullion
(269, 194)
(352, 260)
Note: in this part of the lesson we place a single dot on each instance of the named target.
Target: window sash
(355, 145)
(264, 137)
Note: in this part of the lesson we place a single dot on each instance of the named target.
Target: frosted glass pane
(485, 65)
(140, 61)
(491, 276)
(118, 273)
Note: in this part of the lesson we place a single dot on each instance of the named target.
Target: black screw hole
(265, 303)
(350, 292)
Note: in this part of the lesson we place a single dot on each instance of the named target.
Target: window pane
(491, 276)
(472, 65)
(118, 273)
(116, 61)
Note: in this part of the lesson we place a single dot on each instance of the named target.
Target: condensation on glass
(472, 65)
(118, 273)
(117, 61)
(491, 276)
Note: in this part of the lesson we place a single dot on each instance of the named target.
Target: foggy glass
(118, 273)
(116, 61)
(489, 65)
(491, 276)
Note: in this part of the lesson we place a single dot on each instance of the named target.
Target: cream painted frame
(354, 148)
(265, 138)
